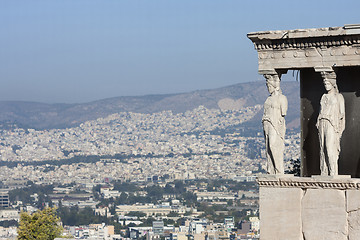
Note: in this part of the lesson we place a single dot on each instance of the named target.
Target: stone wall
(313, 208)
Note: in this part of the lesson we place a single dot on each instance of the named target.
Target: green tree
(179, 187)
(125, 187)
(41, 225)
(169, 189)
(155, 192)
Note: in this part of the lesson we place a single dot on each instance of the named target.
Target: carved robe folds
(275, 108)
(331, 124)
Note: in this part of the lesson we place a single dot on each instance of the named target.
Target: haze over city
(79, 51)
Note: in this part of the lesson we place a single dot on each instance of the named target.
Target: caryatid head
(329, 80)
(272, 83)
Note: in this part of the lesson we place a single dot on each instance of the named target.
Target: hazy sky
(83, 50)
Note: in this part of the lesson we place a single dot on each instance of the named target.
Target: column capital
(278, 72)
(323, 69)
(267, 71)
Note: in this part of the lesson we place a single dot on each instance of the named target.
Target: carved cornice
(307, 48)
(309, 183)
(303, 43)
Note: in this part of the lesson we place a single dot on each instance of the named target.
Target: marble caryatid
(275, 108)
(330, 124)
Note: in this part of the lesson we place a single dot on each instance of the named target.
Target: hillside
(47, 116)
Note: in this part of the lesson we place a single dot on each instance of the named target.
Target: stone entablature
(307, 48)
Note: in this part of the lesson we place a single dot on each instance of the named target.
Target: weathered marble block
(353, 210)
(324, 214)
(317, 208)
(281, 207)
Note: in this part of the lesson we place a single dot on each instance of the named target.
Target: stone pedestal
(312, 208)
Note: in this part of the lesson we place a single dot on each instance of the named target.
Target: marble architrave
(307, 48)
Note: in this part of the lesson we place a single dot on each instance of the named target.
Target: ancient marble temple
(324, 202)
(312, 51)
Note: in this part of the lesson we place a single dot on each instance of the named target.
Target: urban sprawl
(192, 174)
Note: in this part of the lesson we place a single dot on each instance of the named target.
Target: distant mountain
(46, 116)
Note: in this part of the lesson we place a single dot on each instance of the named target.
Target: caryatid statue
(330, 124)
(275, 108)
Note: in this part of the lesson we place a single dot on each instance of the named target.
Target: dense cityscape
(141, 175)
(179, 120)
